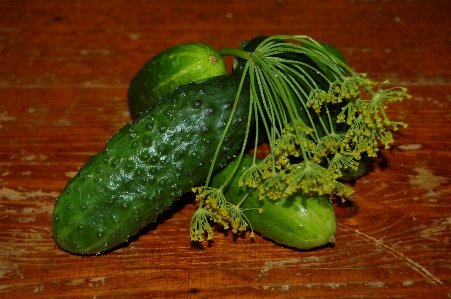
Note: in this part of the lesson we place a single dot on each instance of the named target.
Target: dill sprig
(319, 117)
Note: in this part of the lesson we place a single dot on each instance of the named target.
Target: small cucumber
(299, 221)
(169, 69)
(149, 164)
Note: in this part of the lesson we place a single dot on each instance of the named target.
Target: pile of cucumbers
(190, 128)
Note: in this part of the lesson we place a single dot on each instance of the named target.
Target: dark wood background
(64, 73)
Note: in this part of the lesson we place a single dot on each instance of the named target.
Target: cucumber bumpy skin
(299, 221)
(149, 164)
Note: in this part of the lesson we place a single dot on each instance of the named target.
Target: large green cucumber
(149, 164)
(299, 221)
(175, 66)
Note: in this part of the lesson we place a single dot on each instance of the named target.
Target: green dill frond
(298, 126)
(393, 94)
(386, 137)
(213, 200)
(309, 146)
(251, 177)
(256, 173)
(208, 196)
(310, 178)
(316, 100)
(342, 160)
(199, 225)
(372, 123)
(362, 136)
(348, 113)
(377, 105)
(236, 218)
(273, 188)
(292, 140)
(348, 88)
(198, 192)
(319, 97)
(287, 144)
(328, 144)
(343, 191)
(282, 162)
(395, 124)
(297, 104)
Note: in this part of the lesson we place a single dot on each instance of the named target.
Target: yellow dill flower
(310, 178)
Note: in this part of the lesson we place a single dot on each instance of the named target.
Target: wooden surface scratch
(392, 249)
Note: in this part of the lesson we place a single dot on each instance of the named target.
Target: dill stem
(243, 199)
(235, 104)
(286, 98)
(235, 52)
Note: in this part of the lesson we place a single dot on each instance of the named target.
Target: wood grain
(64, 73)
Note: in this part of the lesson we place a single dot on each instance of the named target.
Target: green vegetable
(169, 69)
(299, 221)
(319, 117)
(312, 66)
(150, 163)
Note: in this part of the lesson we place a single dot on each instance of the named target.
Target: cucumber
(299, 221)
(149, 164)
(169, 69)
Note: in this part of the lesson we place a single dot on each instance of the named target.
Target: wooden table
(64, 73)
